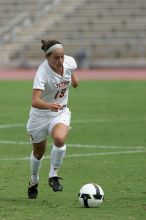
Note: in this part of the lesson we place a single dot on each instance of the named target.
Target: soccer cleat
(32, 191)
(55, 184)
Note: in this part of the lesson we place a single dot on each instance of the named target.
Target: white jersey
(54, 87)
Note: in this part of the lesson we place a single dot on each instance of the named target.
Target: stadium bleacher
(98, 33)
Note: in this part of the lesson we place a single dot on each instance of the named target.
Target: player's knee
(38, 155)
(59, 140)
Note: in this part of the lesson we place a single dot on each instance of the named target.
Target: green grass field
(106, 145)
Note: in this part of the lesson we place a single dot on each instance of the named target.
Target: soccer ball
(91, 195)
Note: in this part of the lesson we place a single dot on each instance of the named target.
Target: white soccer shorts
(39, 128)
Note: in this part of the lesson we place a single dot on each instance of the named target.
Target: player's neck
(59, 71)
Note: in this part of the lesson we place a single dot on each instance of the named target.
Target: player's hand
(54, 107)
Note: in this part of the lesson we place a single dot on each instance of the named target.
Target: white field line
(104, 147)
(102, 120)
(14, 142)
(11, 126)
(81, 155)
(78, 145)
(106, 153)
(82, 121)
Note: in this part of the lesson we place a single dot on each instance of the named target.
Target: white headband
(55, 46)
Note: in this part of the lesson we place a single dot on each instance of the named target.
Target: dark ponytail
(46, 44)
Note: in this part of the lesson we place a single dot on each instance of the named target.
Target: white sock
(57, 155)
(35, 167)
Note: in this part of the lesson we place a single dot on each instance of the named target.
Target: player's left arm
(75, 80)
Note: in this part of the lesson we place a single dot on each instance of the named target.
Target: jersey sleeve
(70, 63)
(39, 80)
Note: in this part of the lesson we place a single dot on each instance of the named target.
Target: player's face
(56, 59)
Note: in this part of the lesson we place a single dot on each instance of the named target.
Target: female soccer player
(49, 114)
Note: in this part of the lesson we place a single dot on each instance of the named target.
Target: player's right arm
(38, 102)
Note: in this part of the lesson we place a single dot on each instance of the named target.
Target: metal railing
(25, 19)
